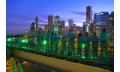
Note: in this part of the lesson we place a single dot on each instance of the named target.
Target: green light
(83, 57)
(44, 42)
(9, 39)
(83, 45)
(24, 41)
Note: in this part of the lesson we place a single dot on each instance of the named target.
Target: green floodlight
(9, 39)
(83, 45)
(24, 41)
(44, 42)
(83, 57)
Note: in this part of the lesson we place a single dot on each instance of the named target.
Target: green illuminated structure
(52, 44)
(44, 42)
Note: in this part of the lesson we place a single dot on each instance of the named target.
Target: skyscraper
(70, 23)
(63, 26)
(34, 27)
(56, 24)
(101, 21)
(36, 23)
(89, 14)
(101, 18)
(50, 23)
(50, 19)
(110, 26)
(63, 23)
(85, 29)
(88, 24)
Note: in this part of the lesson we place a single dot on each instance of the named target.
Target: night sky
(21, 13)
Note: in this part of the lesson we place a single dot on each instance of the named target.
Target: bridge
(59, 61)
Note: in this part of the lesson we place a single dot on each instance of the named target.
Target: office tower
(56, 24)
(40, 30)
(85, 28)
(63, 26)
(36, 23)
(34, 27)
(70, 24)
(77, 30)
(26, 34)
(110, 26)
(89, 14)
(91, 28)
(46, 28)
(88, 24)
(50, 19)
(50, 23)
(101, 20)
(74, 27)
(63, 23)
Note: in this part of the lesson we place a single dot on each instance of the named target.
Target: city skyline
(19, 16)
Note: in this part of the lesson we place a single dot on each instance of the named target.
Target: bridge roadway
(57, 63)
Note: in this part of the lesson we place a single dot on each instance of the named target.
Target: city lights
(88, 43)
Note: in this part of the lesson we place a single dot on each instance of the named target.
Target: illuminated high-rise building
(88, 24)
(50, 23)
(50, 19)
(36, 23)
(34, 28)
(63, 26)
(56, 24)
(110, 26)
(46, 29)
(101, 21)
(63, 23)
(101, 18)
(85, 28)
(26, 34)
(71, 24)
(89, 14)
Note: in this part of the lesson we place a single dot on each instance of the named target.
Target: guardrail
(57, 63)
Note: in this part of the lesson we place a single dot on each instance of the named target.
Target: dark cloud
(16, 28)
(42, 18)
(79, 13)
(19, 16)
(16, 25)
